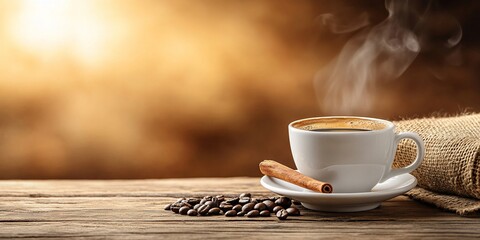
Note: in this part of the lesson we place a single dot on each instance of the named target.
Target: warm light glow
(60, 26)
(42, 23)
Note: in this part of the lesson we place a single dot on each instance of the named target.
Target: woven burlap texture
(451, 166)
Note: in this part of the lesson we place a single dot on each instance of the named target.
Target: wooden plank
(253, 228)
(133, 209)
(151, 209)
(130, 188)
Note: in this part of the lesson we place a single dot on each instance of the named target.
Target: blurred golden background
(156, 89)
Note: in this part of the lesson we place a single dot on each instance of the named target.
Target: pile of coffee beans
(243, 205)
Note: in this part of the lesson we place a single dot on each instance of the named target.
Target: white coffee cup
(351, 153)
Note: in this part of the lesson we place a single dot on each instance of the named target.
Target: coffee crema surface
(339, 130)
(339, 125)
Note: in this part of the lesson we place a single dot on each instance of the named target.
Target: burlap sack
(449, 176)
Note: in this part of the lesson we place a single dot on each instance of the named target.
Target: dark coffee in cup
(343, 124)
(340, 130)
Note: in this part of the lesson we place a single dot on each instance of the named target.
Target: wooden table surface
(133, 209)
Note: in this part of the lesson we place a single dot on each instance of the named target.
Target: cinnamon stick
(280, 171)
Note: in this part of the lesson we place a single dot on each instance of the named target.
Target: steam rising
(380, 53)
(336, 26)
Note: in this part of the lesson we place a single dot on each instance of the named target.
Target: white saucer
(342, 202)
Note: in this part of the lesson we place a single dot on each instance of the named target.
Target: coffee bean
(225, 206)
(282, 214)
(261, 199)
(176, 204)
(241, 213)
(285, 202)
(231, 213)
(203, 201)
(208, 198)
(247, 207)
(193, 201)
(244, 200)
(203, 210)
(180, 199)
(232, 201)
(215, 201)
(214, 211)
(270, 204)
(197, 206)
(179, 204)
(167, 207)
(210, 203)
(192, 212)
(260, 207)
(237, 208)
(185, 204)
(183, 210)
(175, 209)
(253, 213)
(220, 198)
(293, 211)
(277, 208)
(265, 213)
(245, 195)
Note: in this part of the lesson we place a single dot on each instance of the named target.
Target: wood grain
(133, 209)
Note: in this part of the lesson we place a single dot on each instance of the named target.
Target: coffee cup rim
(388, 125)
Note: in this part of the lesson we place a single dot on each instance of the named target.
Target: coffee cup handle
(418, 160)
